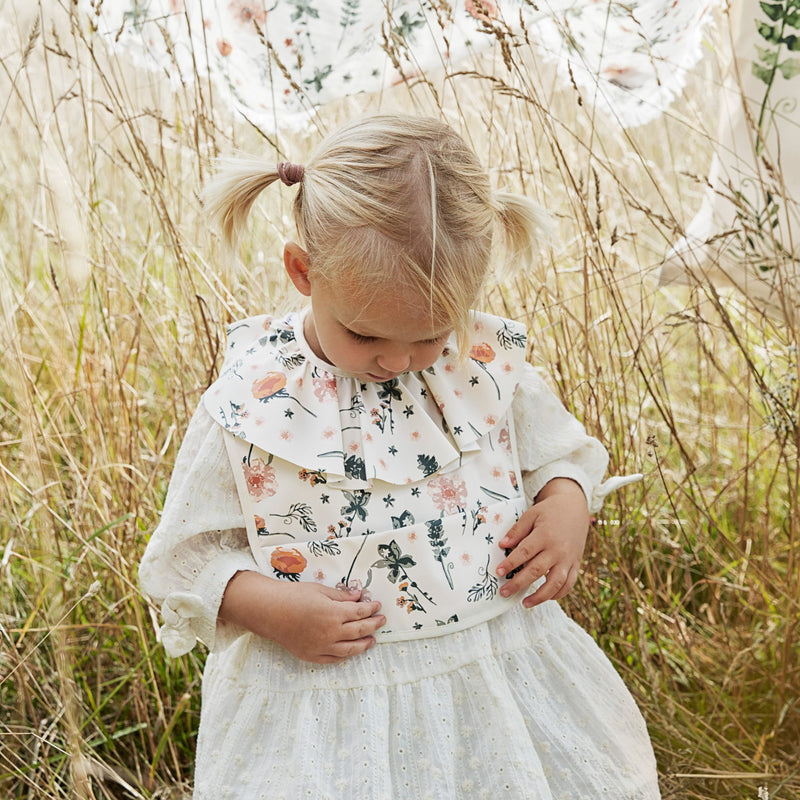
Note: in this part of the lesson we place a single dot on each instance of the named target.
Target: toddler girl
(365, 498)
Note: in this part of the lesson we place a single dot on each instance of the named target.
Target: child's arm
(562, 469)
(548, 539)
(313, 622)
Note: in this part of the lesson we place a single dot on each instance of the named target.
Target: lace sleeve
(553, 444)
(200, 542)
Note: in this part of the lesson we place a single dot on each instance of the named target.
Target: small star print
(415, 491)
(489, 538)
(325, 498)
(473, 381)
(389, 500)
(392, 451)
(288, 413)
(408, 411)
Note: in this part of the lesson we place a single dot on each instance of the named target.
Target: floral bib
(404, 487)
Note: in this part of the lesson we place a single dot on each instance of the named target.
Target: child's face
(374, 340)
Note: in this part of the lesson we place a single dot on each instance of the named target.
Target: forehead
(389, 312)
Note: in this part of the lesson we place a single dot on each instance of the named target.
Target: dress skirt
(523, 706)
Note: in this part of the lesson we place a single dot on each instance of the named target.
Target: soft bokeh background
(114, 294)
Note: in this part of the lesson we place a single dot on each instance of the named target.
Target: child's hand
(548, 539)
(313, 622)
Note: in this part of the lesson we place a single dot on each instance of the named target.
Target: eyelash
(362, 339)
(366, 339)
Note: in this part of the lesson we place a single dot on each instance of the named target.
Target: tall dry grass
(113, 297)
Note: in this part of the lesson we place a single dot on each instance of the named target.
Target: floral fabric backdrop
(746, 231)
(276, 60)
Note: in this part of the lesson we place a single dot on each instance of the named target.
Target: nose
(394, 359)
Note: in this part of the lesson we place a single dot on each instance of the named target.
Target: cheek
(428, 354)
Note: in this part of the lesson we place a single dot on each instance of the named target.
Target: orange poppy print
(269, 385)
(482, 352)
(288, 562)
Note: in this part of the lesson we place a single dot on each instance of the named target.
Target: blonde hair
(392, 199)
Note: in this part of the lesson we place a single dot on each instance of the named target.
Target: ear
(295, 259)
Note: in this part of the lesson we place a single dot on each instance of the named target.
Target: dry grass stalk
(113, 295)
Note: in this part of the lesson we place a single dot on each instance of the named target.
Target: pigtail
(525, 226)
(230, 194)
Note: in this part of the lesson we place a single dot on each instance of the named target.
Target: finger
(350, 594)
(361, 610)
(530, 572)
(359, 629)
(552, 589)
(353, 647)
(568, 585)
(520, 529)
(527, 550)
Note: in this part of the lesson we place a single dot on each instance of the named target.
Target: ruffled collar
(276, 394)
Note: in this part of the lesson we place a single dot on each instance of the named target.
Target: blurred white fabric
(276, 60)
(745, 232)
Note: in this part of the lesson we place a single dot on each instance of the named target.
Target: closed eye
(359, 338)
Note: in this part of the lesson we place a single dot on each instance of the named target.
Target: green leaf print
(769, 63)
(508, 339)
(303, 8)
(393, 560)
(397, 564)
(438, 542)
(428, 464)
(356, 505)
(326, 547)
(486, 588)
(300, 513)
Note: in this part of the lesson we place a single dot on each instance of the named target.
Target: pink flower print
(483, 10)
(260, 478)
(246, 12)
(324, 388)
(447, 495)
(225, 47)
(624, 77)
(319, 575)
(504, 439)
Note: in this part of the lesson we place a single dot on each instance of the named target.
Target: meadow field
(114, 294)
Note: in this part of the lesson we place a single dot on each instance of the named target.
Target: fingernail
(505, 591)
(501, 571)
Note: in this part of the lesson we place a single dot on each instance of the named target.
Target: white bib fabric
(404, 487)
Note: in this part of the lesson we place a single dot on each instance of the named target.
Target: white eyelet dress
(295, 469)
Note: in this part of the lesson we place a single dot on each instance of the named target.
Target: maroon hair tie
(290, 173)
